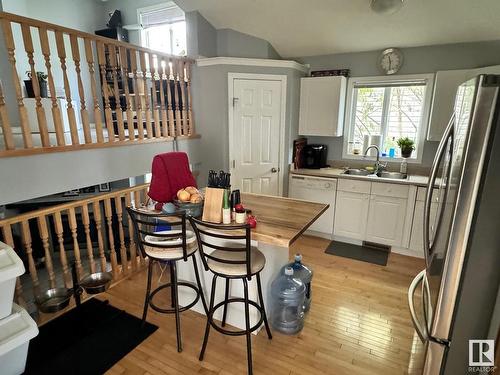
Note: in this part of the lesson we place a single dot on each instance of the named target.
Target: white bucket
(16, 331)
(11, 267)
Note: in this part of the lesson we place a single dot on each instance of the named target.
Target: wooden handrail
(93, 232)
(138, 95)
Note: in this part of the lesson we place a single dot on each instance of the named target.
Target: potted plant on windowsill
(407, 146)
(42, 83)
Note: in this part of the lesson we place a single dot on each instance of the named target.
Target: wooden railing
(114, 93)
(95, 233)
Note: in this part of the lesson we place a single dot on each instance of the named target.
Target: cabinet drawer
(390, 190)
(354, 186)
(421, 194)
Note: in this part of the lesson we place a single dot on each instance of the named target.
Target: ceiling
(315, 27)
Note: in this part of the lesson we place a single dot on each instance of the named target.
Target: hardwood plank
(345, 332)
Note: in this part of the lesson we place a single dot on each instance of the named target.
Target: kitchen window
(383, 109)
(163, 28)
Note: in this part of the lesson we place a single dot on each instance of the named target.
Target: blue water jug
(287, 303)
(305, 274)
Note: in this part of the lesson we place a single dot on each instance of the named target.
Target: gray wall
(210, 90)
(235, 44)
(201, 36)
(416, 60)
(38, 175)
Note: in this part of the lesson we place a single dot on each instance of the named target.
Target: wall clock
(390, 60)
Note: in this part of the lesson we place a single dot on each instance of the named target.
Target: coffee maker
(314, 156)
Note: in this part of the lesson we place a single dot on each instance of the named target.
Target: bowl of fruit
(190, 200)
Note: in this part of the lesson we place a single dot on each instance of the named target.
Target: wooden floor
(358, 324)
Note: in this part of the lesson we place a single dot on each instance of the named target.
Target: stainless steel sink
(357, 172)
(393, 175)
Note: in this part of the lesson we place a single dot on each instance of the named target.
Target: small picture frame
(104, 187)
(71, 193)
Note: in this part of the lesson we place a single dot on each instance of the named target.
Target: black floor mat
(89, 340)
(363, 253)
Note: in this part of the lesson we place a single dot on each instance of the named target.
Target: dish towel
(170, 173)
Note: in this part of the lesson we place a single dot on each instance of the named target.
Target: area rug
(363, 253)
(86, 340)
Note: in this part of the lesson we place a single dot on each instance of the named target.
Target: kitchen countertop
(338, 173)
(280, 221)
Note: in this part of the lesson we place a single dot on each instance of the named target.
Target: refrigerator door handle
(421, 330)
(430, 187)
(426, 303)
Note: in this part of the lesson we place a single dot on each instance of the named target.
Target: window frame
(143, 37)
(422, 131)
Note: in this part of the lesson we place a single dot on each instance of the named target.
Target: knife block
(212, 207)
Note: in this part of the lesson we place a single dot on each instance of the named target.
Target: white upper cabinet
(322, 105)
(445, 89)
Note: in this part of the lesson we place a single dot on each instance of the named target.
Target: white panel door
(351, 212)
(386, 218)
(256, 136)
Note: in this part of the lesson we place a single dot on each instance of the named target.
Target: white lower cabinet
(351, 212)
(386, 218)
(417, 228)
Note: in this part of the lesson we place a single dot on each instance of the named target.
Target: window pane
(179, 38)
(158, 38)
(368, 113)
(404, 114)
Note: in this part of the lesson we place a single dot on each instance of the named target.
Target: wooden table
(280, 221)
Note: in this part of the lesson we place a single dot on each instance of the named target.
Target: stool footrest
(240, 332)
(171, 310)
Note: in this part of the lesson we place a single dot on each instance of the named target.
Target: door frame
(231, 77)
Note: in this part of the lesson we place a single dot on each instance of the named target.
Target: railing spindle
(124, 70)
(61, 52)
(89, 55)
(23, 114)
(189, 99)
(183, 106)
(177, 110)
(170, 107)
(98, 227)
(105, 93)
(26, 237)
(132, 247)
(88, 239)
(111, 239)
(163, 108)
(7, 237)
(149, 129)
(74, 234)
(138, 99)
(5, 122)
(75, 51)
(123, 249)
(62, 252)
(156, 111)
(56, 112)
(44, 236)
(40, 111)
(116, 92)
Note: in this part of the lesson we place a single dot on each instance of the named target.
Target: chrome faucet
(379, 167)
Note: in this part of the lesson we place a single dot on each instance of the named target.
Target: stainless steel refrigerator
(457, 290)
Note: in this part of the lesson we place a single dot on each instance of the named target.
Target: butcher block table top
(280, 221)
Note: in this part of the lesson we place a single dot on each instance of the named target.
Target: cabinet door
(351, 212)
(322, 101)
(443, 102)
(386, 218)
(417, 228)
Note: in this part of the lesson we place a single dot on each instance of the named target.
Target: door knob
(274, 170)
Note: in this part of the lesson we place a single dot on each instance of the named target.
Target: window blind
(161, 16)
(391, 83)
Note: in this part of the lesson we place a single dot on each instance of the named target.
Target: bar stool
(166, 246)
(232, 257)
